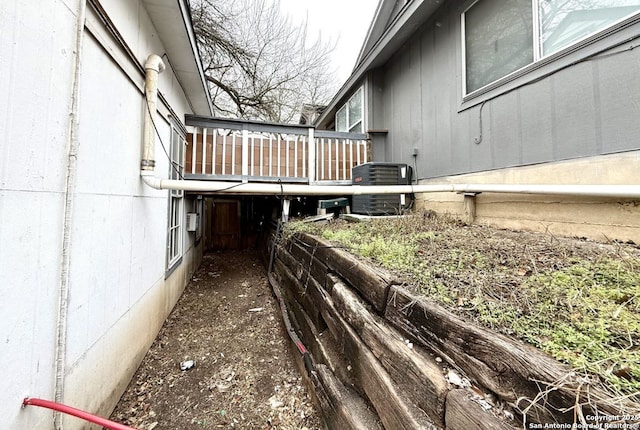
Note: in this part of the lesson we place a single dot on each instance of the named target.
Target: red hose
(111, 425)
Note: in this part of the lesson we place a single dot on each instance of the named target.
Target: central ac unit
(381, 174)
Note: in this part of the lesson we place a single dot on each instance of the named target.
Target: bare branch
(258, 63)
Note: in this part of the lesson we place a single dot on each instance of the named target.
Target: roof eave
(172, 20)
(406, 24)
(375, 29)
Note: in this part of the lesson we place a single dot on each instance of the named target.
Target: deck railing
(231, 149)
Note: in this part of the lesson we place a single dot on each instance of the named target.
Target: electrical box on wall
(192, 221)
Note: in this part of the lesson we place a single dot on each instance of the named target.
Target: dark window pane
(498, 40)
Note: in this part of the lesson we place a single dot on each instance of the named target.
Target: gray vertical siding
(619, 92)
(587, 109)
(536, 122)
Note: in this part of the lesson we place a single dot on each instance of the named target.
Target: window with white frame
(176, 198)
(200, 212)
(350, 116)
(503, 36)
(174, 243)
(178, 144)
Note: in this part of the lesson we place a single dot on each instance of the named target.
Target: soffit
(172, 20)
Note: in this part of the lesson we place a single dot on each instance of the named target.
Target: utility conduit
(620, 191)
(73, 145)
(58, 407)
(154, 66)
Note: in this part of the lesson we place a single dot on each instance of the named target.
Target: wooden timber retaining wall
(381, 357)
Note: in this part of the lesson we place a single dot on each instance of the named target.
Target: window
(174, 245)
(200, 212)
(349, 116)
(178, 144)
(501, 36)
(563, 24)
(498, 37)
(176, 198)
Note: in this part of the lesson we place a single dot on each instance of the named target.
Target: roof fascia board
(379, 19)
(185, 9)
(407, 22)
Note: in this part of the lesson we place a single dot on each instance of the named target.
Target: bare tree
(258, 63)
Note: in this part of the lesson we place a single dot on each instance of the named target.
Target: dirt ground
(244, 376)
(229, 323)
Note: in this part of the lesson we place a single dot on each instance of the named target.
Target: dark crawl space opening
(237, 223)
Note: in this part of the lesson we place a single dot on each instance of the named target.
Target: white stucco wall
(118, 296)
(36, 50)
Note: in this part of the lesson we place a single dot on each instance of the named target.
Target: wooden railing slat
(238, 148)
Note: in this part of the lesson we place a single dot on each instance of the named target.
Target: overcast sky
(343, 21)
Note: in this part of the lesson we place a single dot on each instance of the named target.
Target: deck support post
(311, 172)
(245, 154)
(286, 205)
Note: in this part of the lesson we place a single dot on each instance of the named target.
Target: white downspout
(153, 67)
(73, 145)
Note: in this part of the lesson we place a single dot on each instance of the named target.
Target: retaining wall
(378, 356)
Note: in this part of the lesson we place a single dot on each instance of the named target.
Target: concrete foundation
(600, 219)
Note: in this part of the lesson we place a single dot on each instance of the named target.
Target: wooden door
(223, 225)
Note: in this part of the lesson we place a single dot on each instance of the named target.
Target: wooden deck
(225, 149)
